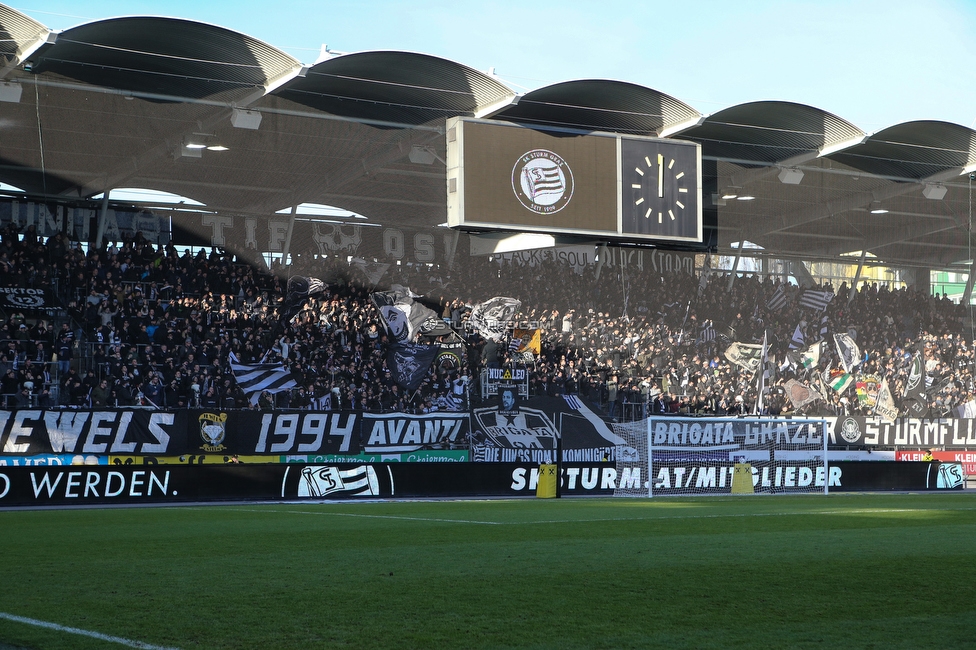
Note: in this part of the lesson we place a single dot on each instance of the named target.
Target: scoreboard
(509, 177)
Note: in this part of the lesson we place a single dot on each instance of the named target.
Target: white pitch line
(603, 519)
(353, 514)
(74, 630)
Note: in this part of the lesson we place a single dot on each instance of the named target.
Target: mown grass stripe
(801, 513)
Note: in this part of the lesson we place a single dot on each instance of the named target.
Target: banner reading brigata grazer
(736, 456)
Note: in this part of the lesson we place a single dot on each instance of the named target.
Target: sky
(873, 63)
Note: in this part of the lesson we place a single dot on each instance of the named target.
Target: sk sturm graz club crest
(326, 480)
(213, 430)
(542, 181)
(850, 431)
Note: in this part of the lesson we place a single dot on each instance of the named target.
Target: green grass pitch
(865, 571)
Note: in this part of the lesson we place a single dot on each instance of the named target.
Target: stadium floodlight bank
(674, 456)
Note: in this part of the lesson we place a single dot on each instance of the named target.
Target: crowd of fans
(150, 325)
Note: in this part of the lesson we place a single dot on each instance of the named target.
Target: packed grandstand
(149, 325)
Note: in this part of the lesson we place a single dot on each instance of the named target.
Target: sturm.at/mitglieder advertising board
(40, 486)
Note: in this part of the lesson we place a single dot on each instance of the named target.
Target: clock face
(661, 189)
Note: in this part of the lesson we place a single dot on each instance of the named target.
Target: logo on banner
(542, 181)
(950, 476)
(327, 480)
(914, 376)
(213, 430)
(850, 431)
(26, 301)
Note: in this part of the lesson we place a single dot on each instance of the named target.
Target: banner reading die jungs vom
(534, 430)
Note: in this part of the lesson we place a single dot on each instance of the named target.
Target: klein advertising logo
(542, 181)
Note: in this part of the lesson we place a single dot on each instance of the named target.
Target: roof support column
(857, 277)
(967, 295)
(288, 233)
(102, 220)
(735, 264)
(451, 239)
(602, 254)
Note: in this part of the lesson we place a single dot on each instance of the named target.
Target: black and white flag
(707, 334)
(816, 299)
(299, 289)
(798, 340)
(492, 317)
(915, 402)
(255, 378)
(401, 316)
(325, 480)
(778, 300)
(409, 363)
(372, 271)
(745, 355)
(703, 280)
(847, 350)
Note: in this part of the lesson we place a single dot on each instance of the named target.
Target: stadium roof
(134, 101)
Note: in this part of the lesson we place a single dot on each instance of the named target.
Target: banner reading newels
(122, 433)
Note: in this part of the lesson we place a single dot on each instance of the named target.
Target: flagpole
(760, 384)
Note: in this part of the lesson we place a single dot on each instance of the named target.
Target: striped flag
(816, 299)
(778, 300)
(255, 378)
(542, 180)
(323, 480)
(839, 380)
(707, 334)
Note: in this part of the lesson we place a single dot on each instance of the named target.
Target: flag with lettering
(492, 317)
(885, 404)
(746, 355)
(409, 363)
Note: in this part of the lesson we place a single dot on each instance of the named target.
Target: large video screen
(509, 177)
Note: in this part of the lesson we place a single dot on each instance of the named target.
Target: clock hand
(660, 176)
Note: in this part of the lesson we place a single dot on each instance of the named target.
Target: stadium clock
(661, 189)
